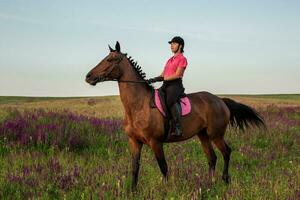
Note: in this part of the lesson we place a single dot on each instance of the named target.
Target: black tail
(242, 116)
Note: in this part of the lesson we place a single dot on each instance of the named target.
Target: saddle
(158, 101)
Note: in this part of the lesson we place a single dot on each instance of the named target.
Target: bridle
(116, 65)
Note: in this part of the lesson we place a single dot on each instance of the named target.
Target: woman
(172, 85)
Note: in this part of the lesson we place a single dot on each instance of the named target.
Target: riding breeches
(173, 90)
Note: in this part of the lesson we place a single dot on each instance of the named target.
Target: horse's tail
(242, 116)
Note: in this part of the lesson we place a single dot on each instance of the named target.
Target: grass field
(75, 148)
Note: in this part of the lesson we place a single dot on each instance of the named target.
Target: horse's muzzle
(91, 80)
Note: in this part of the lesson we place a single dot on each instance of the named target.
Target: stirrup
(177, 131)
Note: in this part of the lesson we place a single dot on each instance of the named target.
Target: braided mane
(139, 71)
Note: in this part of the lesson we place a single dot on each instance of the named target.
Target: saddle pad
(184, 103)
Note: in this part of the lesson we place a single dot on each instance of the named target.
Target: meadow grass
(264, 165)
(103, 107)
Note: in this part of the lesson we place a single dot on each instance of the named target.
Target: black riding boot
(176, 116)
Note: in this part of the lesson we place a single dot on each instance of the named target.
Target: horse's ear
(111, 49)
(118, 48)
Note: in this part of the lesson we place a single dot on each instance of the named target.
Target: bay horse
(209, 117)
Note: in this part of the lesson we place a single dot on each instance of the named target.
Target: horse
(208, 119)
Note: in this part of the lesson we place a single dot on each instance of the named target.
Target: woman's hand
(155, 79)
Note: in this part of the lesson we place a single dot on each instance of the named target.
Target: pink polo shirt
(173, 63)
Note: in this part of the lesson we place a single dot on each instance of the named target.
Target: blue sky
(240, 47)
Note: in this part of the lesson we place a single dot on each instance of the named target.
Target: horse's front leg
(135, 148)
(158, 150)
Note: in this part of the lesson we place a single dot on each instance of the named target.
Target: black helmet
(178, 40)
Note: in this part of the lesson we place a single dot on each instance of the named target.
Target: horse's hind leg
(157, 148)
(209, 152)
(226, 151)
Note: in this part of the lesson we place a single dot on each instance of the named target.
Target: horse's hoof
(164, 179)
(133, 189)
(226, 179)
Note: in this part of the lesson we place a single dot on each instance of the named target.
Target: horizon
(242, 48)
(282, 94)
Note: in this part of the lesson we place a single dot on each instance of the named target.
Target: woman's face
(175, 47)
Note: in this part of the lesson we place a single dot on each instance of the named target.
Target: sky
(232, 46)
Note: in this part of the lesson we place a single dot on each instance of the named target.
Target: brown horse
(208, 119)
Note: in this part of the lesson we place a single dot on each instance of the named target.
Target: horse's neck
(133, 95)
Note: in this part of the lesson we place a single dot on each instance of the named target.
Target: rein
(128, 81)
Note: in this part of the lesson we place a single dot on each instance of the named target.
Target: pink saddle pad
(184, 102)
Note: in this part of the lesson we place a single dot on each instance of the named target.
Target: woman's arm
(178, 74)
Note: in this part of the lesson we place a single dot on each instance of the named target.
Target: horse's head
(108, 68)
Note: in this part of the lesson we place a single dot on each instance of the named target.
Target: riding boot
(176, 115)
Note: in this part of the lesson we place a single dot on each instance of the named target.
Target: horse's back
(217, 114)
(206, 96)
